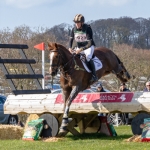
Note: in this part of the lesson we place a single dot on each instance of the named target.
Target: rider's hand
(79, 50)
(70, 50)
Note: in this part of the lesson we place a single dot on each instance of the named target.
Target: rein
(76, 67)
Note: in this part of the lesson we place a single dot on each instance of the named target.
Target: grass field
(83, 142)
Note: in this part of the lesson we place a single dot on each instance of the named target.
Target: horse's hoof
(69, 120)
(63, 129)
(65, 122)
(65, 116)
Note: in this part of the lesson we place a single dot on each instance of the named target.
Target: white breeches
(88, 52)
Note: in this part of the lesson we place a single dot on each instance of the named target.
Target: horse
(74, 78)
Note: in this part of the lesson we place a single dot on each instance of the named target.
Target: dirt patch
(52, 139)
(134, 138)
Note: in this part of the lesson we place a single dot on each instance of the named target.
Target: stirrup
(94, 79)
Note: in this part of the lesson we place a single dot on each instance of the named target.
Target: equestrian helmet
(79, 18)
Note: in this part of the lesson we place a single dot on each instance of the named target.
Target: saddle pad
(97, 63)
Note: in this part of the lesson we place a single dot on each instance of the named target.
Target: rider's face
(99, 88)
(78, 25)
(148, 86)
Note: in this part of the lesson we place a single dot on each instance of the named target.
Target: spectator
(147, 88)
(125, 119)
(123, 88)
(100, 88)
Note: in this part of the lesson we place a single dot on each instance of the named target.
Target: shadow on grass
(99, 136)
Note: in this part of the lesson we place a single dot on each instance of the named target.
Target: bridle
(58, 65)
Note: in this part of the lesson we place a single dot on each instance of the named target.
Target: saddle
(97, 62)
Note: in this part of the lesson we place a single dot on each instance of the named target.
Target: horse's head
(54, 58)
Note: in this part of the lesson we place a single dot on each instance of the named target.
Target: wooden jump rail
(28, 63)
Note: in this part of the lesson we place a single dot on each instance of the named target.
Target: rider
(82, 34)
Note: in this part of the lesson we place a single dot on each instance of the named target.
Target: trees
(137, 62)
(123, 30)
(22, 35)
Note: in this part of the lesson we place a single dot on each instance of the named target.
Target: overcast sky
(48, 13)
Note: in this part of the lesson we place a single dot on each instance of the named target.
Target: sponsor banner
(99, 97)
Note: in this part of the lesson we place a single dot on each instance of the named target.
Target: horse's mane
(64, 48)
(61, 46)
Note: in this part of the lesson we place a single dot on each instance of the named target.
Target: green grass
(82, 142)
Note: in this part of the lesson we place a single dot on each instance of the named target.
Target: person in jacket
(147, 88)
(100, 88)
(123, 88)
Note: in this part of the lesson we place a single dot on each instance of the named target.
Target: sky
(48, 13)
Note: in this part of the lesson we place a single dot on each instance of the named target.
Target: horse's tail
(123, 67)
(119, 61)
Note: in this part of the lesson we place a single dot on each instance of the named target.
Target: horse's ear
(52, 46)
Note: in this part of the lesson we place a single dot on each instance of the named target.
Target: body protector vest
(81, 36)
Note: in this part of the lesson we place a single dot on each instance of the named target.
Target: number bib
(80, 37)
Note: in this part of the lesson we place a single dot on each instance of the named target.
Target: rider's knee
(88, 58)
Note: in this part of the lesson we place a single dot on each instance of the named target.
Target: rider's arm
(89, 39)
(71, 39)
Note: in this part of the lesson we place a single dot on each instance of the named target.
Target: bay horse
(74, 78)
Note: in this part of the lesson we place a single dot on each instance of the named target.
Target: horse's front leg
(72, 96)
(65, 95)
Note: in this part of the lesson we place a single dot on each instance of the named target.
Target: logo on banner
(84, 98)
(122, 97)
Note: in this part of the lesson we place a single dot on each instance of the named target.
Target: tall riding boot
(92, 66)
